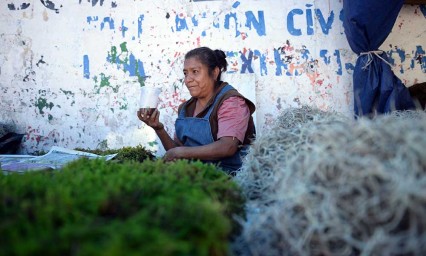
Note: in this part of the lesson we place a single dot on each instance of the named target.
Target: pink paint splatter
(172, 100)
(243, 35)
(313, 77)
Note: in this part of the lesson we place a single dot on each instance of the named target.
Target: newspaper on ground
(56, 158)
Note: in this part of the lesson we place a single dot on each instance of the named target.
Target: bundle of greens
(94, 207)
(322, 184)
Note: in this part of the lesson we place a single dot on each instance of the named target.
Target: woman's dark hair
(210, 58)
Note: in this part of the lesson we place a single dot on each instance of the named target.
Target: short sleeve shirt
(233, 117)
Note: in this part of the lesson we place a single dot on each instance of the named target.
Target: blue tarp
(367, 24)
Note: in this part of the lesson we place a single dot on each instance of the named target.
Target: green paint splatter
(122, 58)
(152, 143)
(236, 54)
(124, 106)
(105, 80)
(104, 83)
(42, 103)
(113, 55)
(50, 117)
(68, 93)
(141, 79)
(123, 47)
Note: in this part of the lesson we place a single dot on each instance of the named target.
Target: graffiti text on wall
(54, 7)
(283, 60)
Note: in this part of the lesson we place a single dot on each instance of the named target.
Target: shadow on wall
(9, 141)
(418, 92)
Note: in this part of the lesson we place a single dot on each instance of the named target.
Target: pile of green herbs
(94, 207)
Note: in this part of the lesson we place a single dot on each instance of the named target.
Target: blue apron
(194, 131)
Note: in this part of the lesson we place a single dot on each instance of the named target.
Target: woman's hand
(151, 118)
(174, 154)
(224, 147)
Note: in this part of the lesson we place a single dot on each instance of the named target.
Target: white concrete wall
(70, 72)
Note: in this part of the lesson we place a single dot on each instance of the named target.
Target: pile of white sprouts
(320, 183)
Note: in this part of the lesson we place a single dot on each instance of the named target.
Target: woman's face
(197, 79)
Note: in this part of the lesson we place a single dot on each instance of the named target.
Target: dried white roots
(321, 184)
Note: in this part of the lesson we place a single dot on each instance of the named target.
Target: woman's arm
(153, 120)
(224, 147)
(166, 140)
(233, 117)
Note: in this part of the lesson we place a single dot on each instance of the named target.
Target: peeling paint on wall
(22, 6)
(51, 5)
(126, 61)
(101, 2)
(70, 74)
